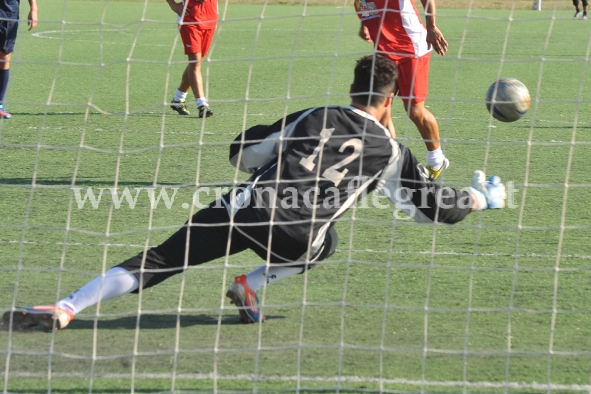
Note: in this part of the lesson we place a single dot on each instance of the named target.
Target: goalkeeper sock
(180, 95)
(115, 283)
(435, 158)
(256, 279)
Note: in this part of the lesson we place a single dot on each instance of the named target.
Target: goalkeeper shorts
(209, 236)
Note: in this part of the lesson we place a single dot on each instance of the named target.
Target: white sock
(115, 283)
(178, 96)
(201, 101)
(256, 279)
(435, 158)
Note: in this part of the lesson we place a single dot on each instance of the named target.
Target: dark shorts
(209, 236)
(576, 3)
(8, 30)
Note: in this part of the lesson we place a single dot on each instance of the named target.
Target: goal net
(96, 167)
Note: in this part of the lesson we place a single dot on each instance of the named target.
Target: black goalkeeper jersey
(313, 165)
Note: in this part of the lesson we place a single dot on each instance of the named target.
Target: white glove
(489, 194)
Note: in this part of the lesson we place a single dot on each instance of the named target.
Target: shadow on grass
(157, 322)
(147, 113)
(146, 322)
(80, 182)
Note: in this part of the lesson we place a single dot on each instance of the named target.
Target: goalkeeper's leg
(204, 238)
(243, 291)
(114, 283)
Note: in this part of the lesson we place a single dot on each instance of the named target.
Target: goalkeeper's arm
(408, 184)
(258, 145)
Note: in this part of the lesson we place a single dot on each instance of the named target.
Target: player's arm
(177, 8)
(32, 18)
(364, 33)
(386, 119)
(408, 184)
(258, 145)
(431, 199)
(435, 38)
(390, 126)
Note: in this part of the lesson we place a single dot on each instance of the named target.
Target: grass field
(497, 303)
(461, 4)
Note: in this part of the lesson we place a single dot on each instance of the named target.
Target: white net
(95, 167)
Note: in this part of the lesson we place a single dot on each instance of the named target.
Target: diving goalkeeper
(307, 170)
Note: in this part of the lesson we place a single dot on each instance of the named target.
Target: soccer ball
(507, 99)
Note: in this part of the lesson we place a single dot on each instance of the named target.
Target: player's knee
(418, 113)
(331, 241)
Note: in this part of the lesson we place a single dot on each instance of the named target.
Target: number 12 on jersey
(334, 172)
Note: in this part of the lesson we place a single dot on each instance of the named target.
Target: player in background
(307, 170)
(578, 9)
(9, 17)
(396, 30)
(197, 23)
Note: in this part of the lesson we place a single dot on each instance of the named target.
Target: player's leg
(413, 85)
(205, 237)
(4, 77)
(178, 101)
(196, 83)
(8, 31)
(205, 39)
(243, 292)
(114, 283)
(585, 8)
(577, 9)
(197, 43)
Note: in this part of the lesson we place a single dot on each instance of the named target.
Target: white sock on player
(201, 101)
(180, 96)
(435, 158)
(115, 283)
(256, 279)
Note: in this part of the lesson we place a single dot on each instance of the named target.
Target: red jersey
(396, 27)
(204, 14)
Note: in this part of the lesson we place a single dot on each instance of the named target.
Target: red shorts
(413, 78)
(196, 40)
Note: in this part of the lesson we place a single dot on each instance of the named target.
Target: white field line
(329, 379)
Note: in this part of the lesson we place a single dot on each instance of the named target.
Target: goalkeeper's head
(374, 81)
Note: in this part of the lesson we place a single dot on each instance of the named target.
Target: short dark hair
(375, 78)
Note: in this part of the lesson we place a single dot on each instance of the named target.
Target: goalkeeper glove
(488, 194)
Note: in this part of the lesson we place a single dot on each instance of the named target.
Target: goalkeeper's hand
(488, 194)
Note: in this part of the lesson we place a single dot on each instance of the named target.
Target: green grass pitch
(499, 303)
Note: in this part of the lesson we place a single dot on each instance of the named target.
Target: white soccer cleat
(49, 317)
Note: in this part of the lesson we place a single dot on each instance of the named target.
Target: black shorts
(8, 30)
(209, 236)
(576, 3)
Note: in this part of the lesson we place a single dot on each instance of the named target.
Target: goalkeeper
(308, 169)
